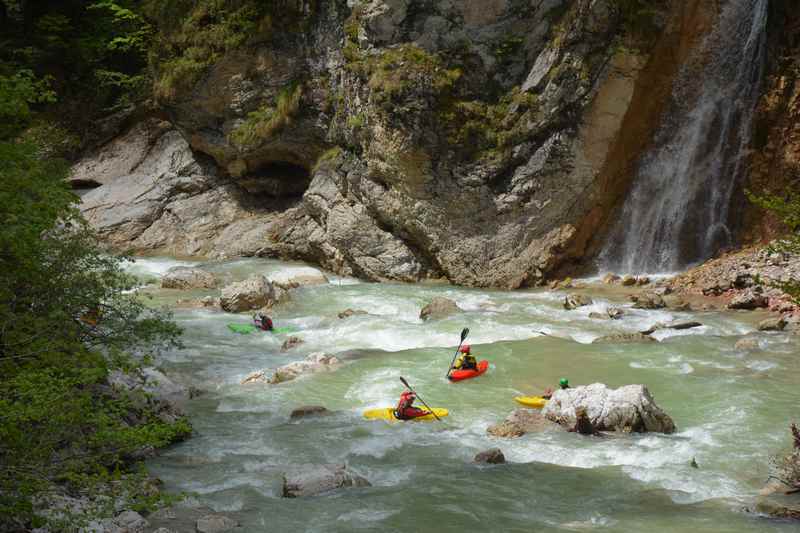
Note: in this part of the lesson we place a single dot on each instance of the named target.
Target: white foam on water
(761, 366)
(359, 516)
(153, 266)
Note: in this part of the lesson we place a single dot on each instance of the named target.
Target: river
(732, 410)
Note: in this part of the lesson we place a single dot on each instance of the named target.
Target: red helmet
(465, 349)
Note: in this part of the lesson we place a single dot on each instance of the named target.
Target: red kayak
(460, 375)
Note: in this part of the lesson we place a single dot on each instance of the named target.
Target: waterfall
(677, 212)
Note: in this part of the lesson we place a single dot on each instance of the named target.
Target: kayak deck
(537, 402)
(387, 413)
(246, 329)
(460, 375)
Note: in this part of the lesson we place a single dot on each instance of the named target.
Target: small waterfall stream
(678, 210)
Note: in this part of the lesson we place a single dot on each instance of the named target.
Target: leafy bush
(269, 119)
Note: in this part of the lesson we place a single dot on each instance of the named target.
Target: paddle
(420, 399)
(464, 333)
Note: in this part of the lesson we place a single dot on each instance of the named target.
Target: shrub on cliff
(787, 208)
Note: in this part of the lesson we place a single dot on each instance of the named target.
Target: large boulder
(573, 301)
(181, 277)
(316, 362)
(154, 388)
(310, 479)
(629, 408)
(520, 422)
(439, 307)
(748, 299)
(256, 292)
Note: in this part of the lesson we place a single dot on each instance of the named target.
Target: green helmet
(564, 382)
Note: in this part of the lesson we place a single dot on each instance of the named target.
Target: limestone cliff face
(482, 142)
(775, 159)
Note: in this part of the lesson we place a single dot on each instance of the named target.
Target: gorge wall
(489, 143)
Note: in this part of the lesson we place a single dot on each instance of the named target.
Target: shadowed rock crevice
(277, 179)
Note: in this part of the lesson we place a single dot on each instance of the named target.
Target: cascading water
(678, 210)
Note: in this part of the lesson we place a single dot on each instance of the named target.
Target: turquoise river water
(732, 410)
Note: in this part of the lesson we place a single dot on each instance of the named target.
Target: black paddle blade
(464, 333)
(405, 382)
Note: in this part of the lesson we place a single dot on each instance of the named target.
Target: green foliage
(356, 122)
(397, 70)
(484, 128)
(267, 120)
(787, 209)
(69, 315)
(18, 92)
(328, 156)
(196, 34)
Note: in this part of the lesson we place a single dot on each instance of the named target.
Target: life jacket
(406, 399)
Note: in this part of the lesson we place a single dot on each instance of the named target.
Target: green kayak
(246, 329)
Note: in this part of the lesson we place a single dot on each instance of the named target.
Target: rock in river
(308, 410)
(772, 324)
(619, 338)
(439, 308)
(573, 301)
(316, 362)
(310, 479)
(181, 277)
(520, 422)
(648, 300)
(255, 292)
(493, 456)
(215, 523)
(629, 408)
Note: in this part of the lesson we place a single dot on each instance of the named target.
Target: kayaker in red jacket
(262, 322)
(405, 410)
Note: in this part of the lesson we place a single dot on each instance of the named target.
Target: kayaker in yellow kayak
(548, 392)
(405, 410)
(465, 361)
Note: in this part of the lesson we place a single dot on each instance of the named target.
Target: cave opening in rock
(277, 179)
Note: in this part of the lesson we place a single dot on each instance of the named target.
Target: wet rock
(131, 522)
(439, 308)
(671, 325)
(215, 523)
(561, 284)
(583, 425)
(290, 343)
(643, 280)
(310, 479)
(648, 300)
(493, 456)
(351, 312)
(676, 303)
(598, 316)
(772, 324)
(629, 408)
(184, 278)
(748, 299)
(573, 301)
(615, 313)
(746, 344)
(259, 376)
(520, 422)
(778, 506)
(316, 362)
(628, 281)
(308, 410)
(610, 279)
(292, 281)
(623, 338)
(168, 398)
(253, 293)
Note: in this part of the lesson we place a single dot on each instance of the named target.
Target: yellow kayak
(537, 402)
(387, 413)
